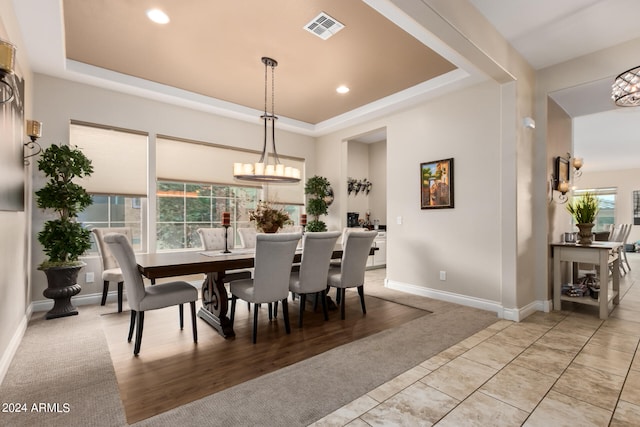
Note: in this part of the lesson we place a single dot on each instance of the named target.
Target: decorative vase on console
(584, 210)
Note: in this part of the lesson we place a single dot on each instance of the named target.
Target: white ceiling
(548, 32)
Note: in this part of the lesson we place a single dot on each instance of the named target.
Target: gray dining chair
(248, 237)
(356, 248)
(111, 271)
(143, 298)
(212, 239)
(314, 269)
(270, 283)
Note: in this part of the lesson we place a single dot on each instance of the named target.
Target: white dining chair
(314, 269)
(270, 283)
(111, 271)
(143, 298)
(212, 239)
(357, 245)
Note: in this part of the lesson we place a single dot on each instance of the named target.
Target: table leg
(604, 283)
(215, 304)
(616, 278)
(557, 281)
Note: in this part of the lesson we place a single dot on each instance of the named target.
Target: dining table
(215, 265)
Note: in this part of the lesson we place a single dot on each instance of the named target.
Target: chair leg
(270, 307)
(341, 292)
(338, 295)
(139, 327)
(120, 290)
(181, 309)
(285, 314)
(275, 309)
(132, 323)
(361, 293)
(255, 322)
(194, 324)
(105, 291)
(323, 296)
(303, 301)
(232, 315)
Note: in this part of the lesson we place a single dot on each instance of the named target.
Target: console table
(602, 254)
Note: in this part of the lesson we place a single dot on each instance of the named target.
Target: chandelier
(266, 170)
(626, 88)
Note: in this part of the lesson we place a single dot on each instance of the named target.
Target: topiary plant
(318, 190)
(63, 239)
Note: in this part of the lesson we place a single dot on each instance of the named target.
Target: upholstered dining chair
(143, 298)
(110, 269)
(270, 283)
(248, 237)
(314, 268)
(356, 248)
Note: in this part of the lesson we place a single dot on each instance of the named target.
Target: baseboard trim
(14, 343)
(514, 314)
(89, 299)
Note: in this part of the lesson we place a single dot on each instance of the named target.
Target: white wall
(626, 181)
(58, 101)
(378, 176)
(358, 168)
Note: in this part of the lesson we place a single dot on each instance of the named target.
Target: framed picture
(436, 184)
(561, 171)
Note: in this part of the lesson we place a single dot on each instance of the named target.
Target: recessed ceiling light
(342, 89)
(158, 16)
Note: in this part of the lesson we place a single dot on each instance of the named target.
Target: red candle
(303, 219)
(226, 218)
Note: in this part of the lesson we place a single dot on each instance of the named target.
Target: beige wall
(58, 101)
(14, 226)
(378, 176)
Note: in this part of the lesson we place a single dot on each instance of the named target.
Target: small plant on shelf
(584, 208)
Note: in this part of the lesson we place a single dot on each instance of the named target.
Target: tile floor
(564, 368)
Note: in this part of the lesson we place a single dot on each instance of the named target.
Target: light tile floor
(564, 368)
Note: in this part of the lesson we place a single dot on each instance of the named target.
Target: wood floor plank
(171, 370)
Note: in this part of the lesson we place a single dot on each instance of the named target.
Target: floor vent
(323, 26)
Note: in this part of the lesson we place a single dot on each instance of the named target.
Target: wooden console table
(602, 254)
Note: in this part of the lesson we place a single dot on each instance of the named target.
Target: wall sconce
(560, 187)
(7, 62)
(34, 131)
(577, 163)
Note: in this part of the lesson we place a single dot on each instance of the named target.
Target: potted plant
(584, 210)
(63, 239)
(269, 219)
(320, 195)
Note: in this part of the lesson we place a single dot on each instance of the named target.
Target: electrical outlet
(443, 275)
(89, 277)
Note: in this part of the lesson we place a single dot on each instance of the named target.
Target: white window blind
(119, 159)
(186, 161)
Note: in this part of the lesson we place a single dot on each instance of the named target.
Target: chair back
(274, 256)
(213, 238)
(248, 237)
(108, 260)
(316, 256)
(357, 245)
(122, 250)
(290, 229)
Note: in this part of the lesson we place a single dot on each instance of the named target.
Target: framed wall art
(561, 171)
(436, 184)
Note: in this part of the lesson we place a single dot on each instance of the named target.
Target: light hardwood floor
(171, 370)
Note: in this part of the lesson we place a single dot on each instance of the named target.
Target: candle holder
(226, 241)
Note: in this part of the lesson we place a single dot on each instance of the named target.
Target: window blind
(186, 161)
(119, 159)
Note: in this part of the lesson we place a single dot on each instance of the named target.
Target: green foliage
(316, 226)
(584, 208)
(63, 239)
(318, 188)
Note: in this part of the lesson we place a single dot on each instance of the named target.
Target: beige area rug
(67, 361)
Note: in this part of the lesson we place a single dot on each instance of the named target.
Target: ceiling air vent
(323, 26)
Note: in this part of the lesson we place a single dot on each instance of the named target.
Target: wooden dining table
(215, 264)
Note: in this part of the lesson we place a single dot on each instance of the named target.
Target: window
(115, 211)
(184, 207)
(607, 204)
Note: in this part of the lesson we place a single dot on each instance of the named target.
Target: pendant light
(268, 168)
